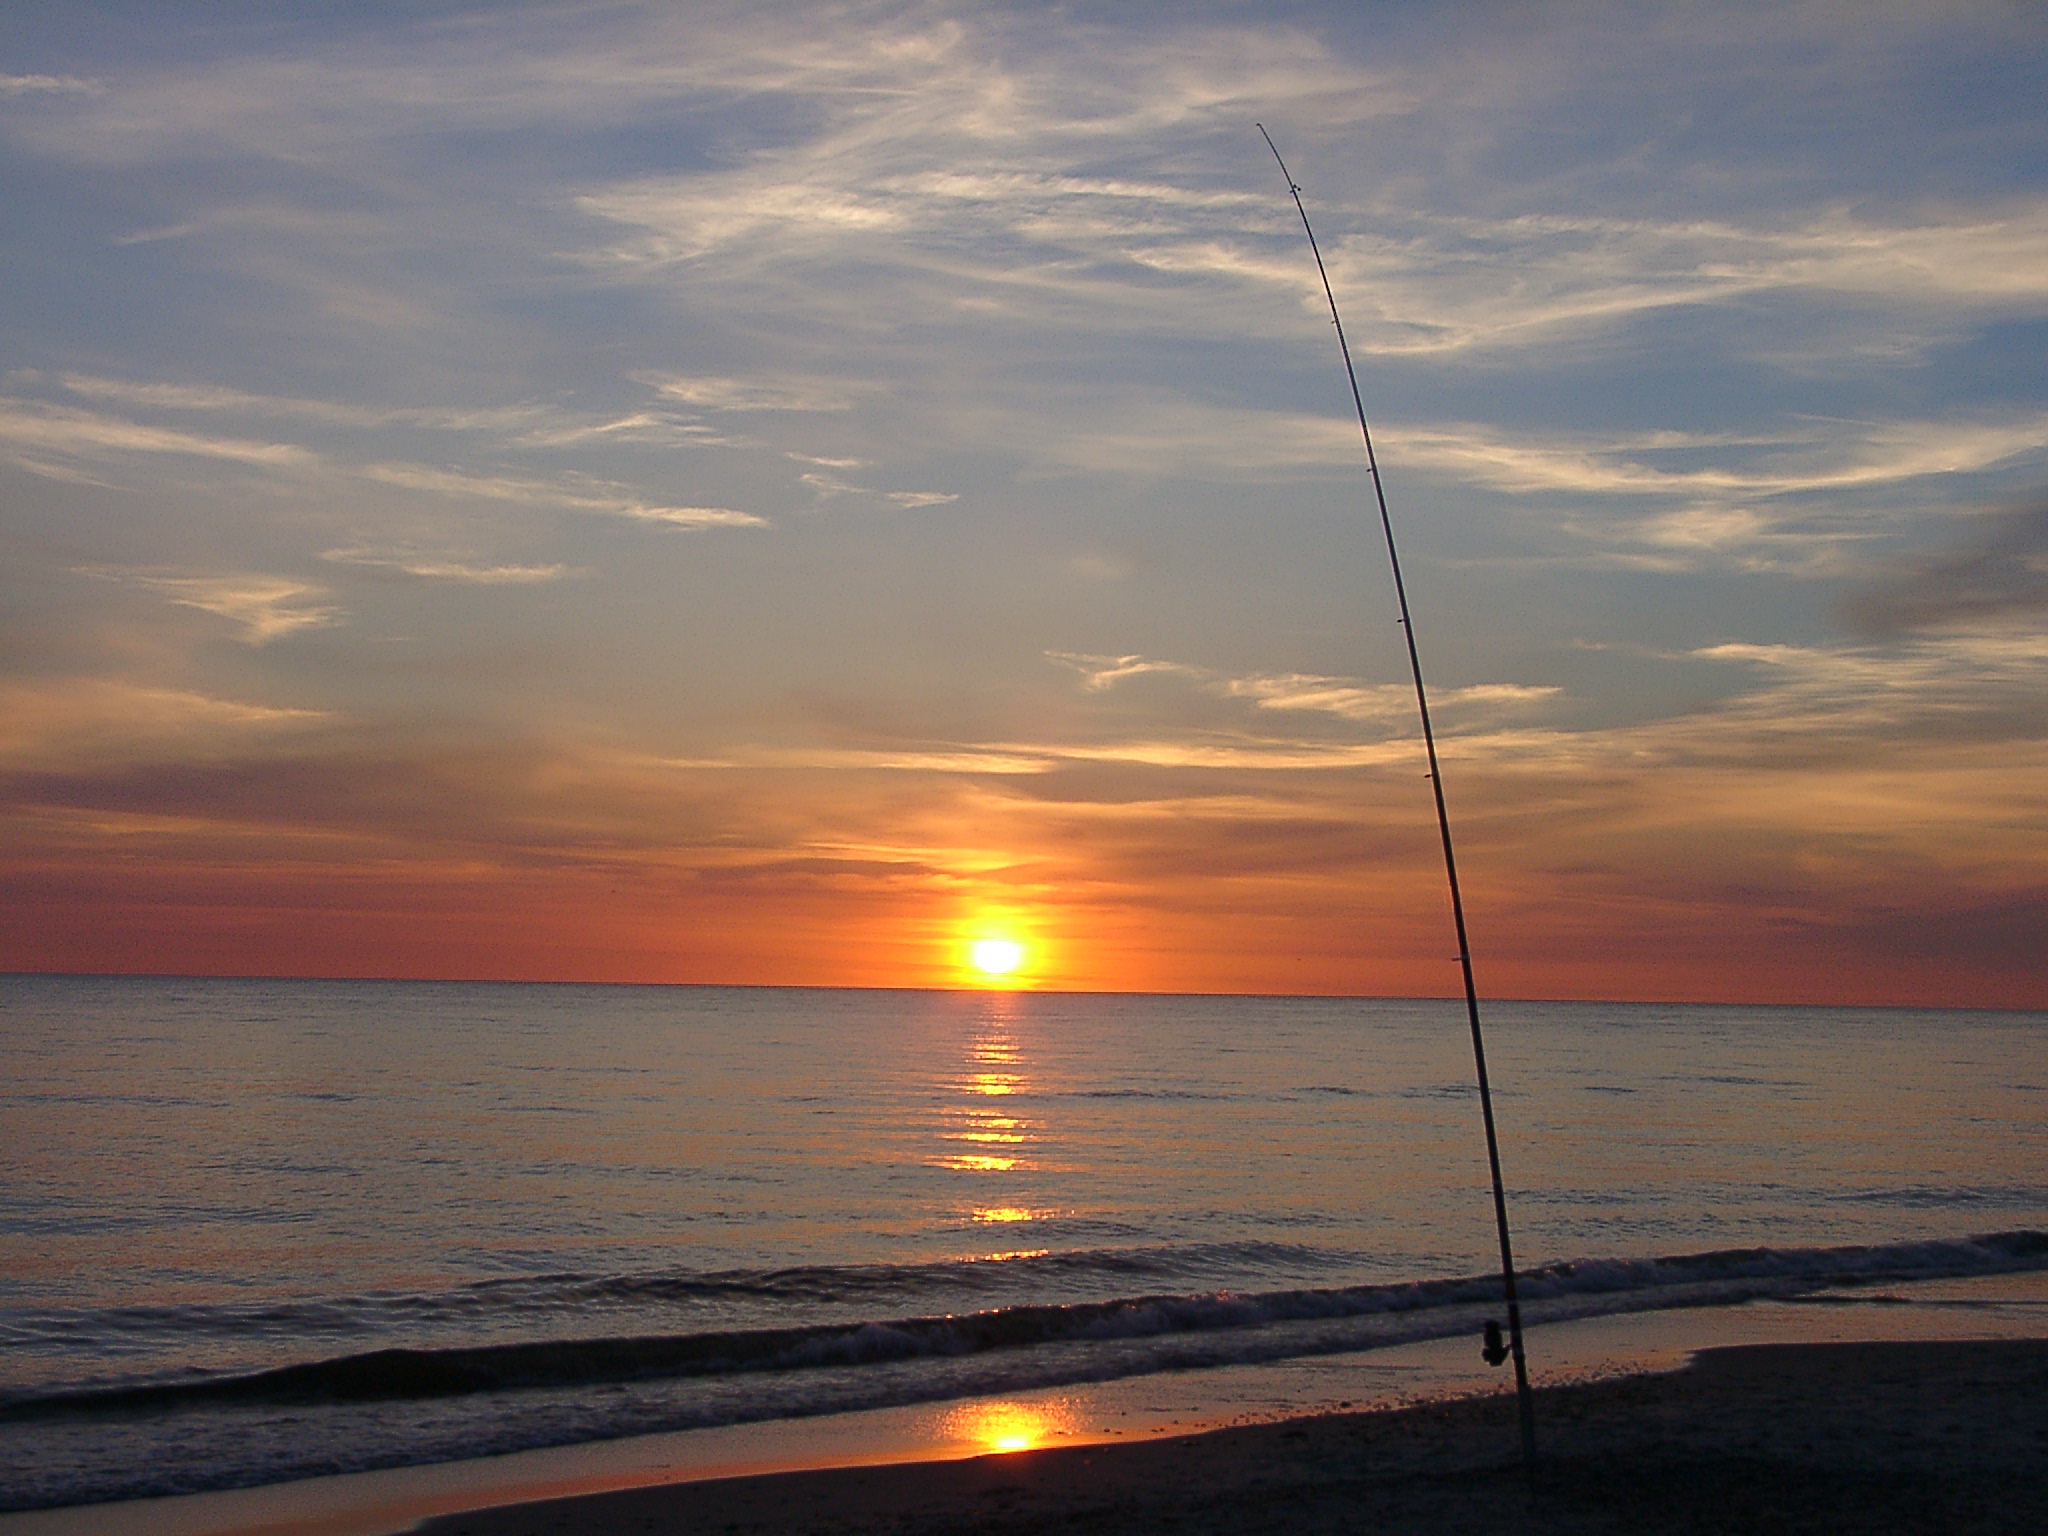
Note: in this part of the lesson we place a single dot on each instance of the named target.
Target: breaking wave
(1426, 1308)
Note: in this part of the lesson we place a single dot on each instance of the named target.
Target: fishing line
(1443, 821)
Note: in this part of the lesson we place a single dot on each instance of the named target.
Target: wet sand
(1868, 1437)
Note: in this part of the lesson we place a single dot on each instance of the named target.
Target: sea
(262, 1230)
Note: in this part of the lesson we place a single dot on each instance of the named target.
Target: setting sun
(997, 957)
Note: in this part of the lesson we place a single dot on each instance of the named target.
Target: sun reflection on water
(996, 1068)
(1008, 1213)
(976, 1162)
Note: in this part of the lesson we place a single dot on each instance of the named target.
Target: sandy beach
(1866, 1437)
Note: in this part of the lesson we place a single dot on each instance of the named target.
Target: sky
(780, 494)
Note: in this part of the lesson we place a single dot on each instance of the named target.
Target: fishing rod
(1523, 1400)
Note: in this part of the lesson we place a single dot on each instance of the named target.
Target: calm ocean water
(255, 1230)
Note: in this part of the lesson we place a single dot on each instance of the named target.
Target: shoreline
(1128, 1414)
(1897, 1436)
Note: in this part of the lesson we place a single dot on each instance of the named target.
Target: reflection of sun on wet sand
(1001, 1427)
(1867, 1438)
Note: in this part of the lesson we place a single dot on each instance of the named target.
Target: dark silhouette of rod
(1443, 822)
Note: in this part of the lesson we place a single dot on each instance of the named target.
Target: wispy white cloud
(1100, 672)
(962, 148)
(1790, 497)
(1812, 709)
(1806, 708)
(829, 486)
(444, 567)
(516, 426)
(1350, 700)
(1019, 234)
(1872, 686)
(151, 236)
(1807, 457)
(635, 427)
(105, 721)
(49, 85)
(1424, 281)
(32, 429)
(35, 426)
(1822, 740)
(216, 399)
(264, 608)
(1380, 704)
(722, 394)
(1157, 434)
(602, 498)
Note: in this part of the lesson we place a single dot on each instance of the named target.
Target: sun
(996, 957)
